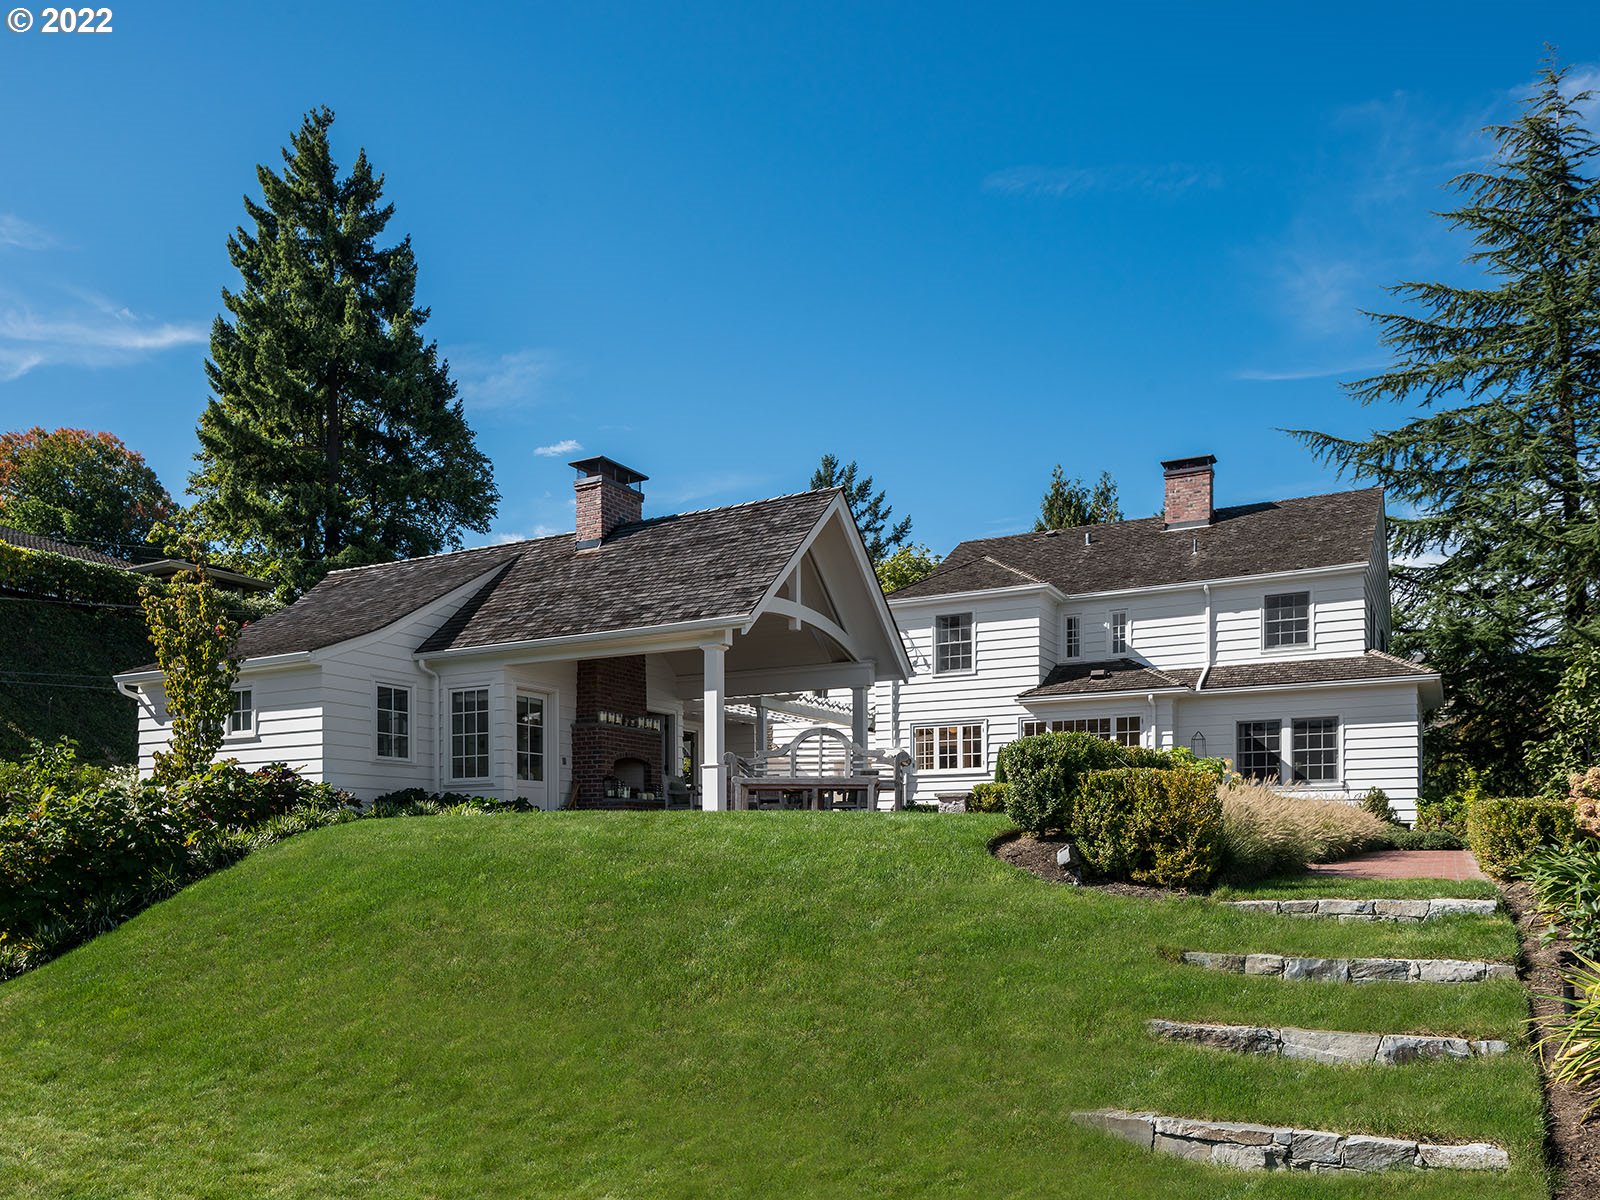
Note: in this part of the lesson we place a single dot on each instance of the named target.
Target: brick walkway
(1405, 864)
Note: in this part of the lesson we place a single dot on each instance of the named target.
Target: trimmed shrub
(1160, 827)
(1044, 773)
(1503, 833)
(1425, 839)
(989, 797)
(1267, 833)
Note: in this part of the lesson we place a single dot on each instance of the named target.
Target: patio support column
(858, 717)
(761, 724)
(713, 771)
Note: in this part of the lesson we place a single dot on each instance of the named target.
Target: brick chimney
(608, 496)
(1189, 491)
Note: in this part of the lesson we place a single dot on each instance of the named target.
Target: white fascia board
(1122, 694)
(1190, 693)
(266, 662)
(1021, 589)
(647, 639)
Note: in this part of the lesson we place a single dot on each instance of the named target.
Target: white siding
(1377, 588)
(1338, 618)
(288, 726)
(1378, 733)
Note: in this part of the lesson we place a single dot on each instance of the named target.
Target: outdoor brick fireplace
(613, 733)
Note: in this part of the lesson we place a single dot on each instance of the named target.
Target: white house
(1258, 633)
(618, 663)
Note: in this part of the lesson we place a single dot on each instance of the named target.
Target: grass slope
(600, 1005)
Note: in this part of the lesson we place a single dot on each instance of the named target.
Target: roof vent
(1099, 673)
(1088, 537)
(1052, 533)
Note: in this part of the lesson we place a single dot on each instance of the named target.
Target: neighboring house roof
(1248, 539)
(1126, 675)
(33, 541)
(703, 565)
(169, 568)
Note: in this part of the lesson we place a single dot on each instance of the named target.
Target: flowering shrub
(1584, 790)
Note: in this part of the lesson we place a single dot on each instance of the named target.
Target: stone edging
(1271, 1147)
(1353, 970)
(1371, 910)
(1324, 1045)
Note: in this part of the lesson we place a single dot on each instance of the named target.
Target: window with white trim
(1119, 632)
(394, 721)
(242, 712)
(1315, 751)
(952, 643)
(1124, 731)
(1128, 730)
(469, 734)
(948, 747)
(530, 737)
(1286, 620)
(1071, 637)
(1258, 750)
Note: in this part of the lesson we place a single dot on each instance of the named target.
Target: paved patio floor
(1405, 864)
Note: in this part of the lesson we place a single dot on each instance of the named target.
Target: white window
(952, 643)
(1128, 729)
(1124, 731)
(1071, 637)
(394, 721)
(1258, 750)
(1315, 755)
(1119, 632)
(530, 737)
(948, 747)
(469, 734)
(1286, 620)
(242, 714)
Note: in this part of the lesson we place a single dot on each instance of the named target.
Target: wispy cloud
(15, 233)
(538, 531)
(556, 449)
(1169, 179)
(718, 484)
(504, 381)
(93, 333)
(1287, 374)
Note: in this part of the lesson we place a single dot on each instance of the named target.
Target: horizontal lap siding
(288, 724)
(1167, 629)
(1378, 729)
(1339, 618)
(1006, 645)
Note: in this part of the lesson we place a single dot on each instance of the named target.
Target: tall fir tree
(334, 436)
(1497, 484)
(1069, 503)
(874, 516)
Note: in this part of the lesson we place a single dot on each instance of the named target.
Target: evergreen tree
(1497, 543)
(334, 436)
(1069, 503)
(872, 513)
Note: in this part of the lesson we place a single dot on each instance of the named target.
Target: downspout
(1155, 734)
(1200, 684)
(438, 729)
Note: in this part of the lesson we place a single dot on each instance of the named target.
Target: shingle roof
(1126, 675)
(693, 566)
(33, 541)
(1249, 539)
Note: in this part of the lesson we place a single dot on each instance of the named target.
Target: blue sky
(957, 243)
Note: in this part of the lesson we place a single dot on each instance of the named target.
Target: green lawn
(762, 1004)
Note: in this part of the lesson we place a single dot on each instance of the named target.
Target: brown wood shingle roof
(1127, 675)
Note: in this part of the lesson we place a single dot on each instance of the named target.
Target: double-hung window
(948, 747)
(1128, 730)
(1119, 632)
(469, 734)
(952, 643)
(1071, 637)
(242, 713)
(1258, 750)
(1286, 621)
(1315, 757)
(394, 721)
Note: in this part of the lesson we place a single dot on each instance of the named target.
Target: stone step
(1281, 1148)
(1353, 970)
(1371, 910)
(1324, 1045)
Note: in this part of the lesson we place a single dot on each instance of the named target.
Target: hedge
(1159, 827)
(1503, 832)
(1043, 774)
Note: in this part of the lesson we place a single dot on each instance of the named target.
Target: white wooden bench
(820, 769)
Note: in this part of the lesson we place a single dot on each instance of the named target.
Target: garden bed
(1036, 854)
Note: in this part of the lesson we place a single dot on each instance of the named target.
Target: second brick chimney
(1189, 491)
(608, 495)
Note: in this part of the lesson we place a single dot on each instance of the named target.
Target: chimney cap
(1183, 466)
(608, 468)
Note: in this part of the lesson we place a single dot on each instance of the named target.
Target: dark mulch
(1573, 1144)
(1037, 855)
